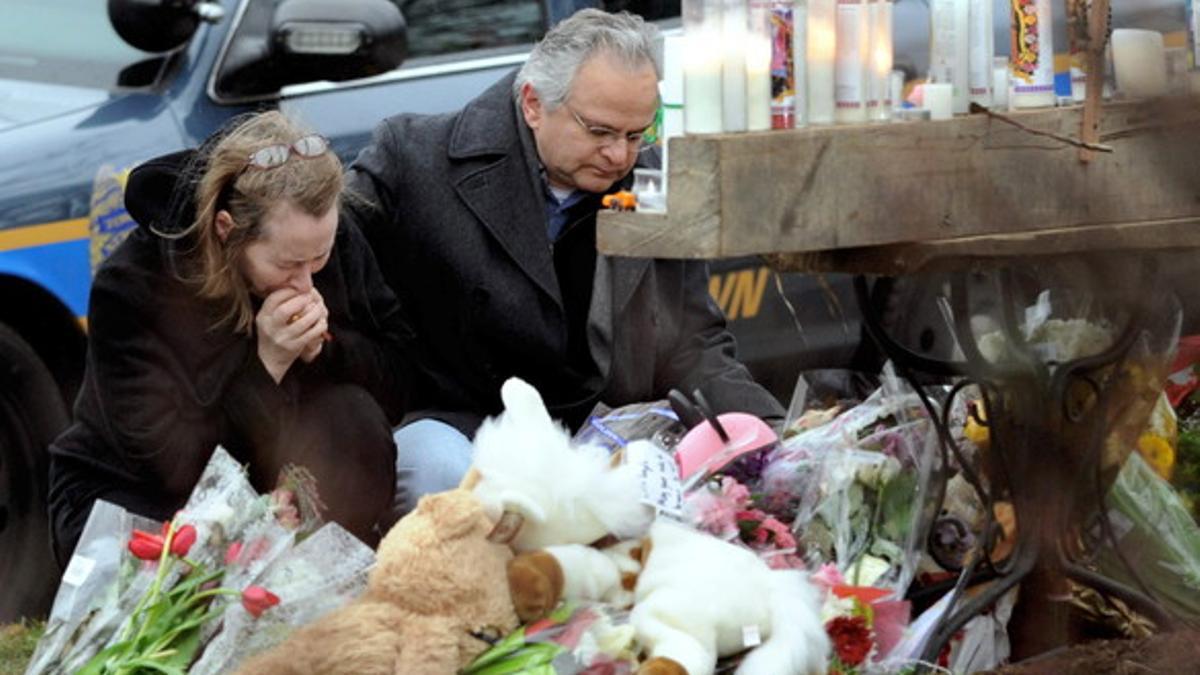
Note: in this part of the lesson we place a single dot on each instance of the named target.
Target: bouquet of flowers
(853, 487)
(176, 598)
(864, 623)
(574, 639)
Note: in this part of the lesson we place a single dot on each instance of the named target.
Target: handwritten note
(661, 488)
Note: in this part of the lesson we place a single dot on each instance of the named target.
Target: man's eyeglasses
(607, 137)
(307, 147)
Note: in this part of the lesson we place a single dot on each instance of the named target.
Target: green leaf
(511, 643)
(521, 661)
(156, 666)
(99, 663)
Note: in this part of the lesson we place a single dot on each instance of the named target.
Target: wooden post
(1097, 16)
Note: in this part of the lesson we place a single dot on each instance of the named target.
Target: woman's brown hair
(311, 184)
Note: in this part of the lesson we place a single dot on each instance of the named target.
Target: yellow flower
(974, 431)
(1158, 453)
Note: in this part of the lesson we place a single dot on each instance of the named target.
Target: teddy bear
(694, 597)
(436, 598)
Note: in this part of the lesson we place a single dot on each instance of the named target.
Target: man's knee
(431, 457)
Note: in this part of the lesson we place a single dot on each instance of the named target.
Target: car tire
(32, 414)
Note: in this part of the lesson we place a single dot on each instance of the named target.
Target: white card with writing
(661, 488)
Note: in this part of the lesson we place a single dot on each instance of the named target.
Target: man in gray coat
(484, 223)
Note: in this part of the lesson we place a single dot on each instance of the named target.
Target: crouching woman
(238, 313)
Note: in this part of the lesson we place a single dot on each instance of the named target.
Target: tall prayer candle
(701, 66)
(881, 59)
(758, 66)
(949, 29)
(822, 54)
(1031, 55)
(851, 78)
(981, 49)
(733, 65)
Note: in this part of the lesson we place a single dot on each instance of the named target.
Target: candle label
(783, 68)
(1032, 52)
(981, 47)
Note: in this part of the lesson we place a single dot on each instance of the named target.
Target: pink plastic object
(701, 451)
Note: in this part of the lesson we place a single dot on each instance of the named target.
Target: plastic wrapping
(1157, 535)
(856, 486)
(573, 639)
(238, 539)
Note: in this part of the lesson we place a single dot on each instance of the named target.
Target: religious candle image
(1031, 55)
(783, 66)
(702, 66)
(821, 41)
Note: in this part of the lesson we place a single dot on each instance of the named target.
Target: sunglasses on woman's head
(307, 147)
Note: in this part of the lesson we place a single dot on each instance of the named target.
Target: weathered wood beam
(833, 188)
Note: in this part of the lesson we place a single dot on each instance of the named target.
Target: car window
(439, 27)
(67, 42)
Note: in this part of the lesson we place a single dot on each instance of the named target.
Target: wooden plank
(964, 252)
(830, 188)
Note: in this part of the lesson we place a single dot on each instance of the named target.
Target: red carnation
(851, 639)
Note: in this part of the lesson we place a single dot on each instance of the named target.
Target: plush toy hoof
(661, 666)
(535, 581)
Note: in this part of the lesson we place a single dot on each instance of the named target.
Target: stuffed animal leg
(538, 580)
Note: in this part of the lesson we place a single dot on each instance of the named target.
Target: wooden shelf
(896, 197)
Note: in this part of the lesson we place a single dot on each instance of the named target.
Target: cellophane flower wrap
(574, 639)
(852, 489)
(222, 556)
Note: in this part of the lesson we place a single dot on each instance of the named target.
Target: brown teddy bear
(437, 594)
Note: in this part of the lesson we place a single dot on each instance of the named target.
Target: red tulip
(145, 546)
(257, 600)
(233, 552)
(182, 542)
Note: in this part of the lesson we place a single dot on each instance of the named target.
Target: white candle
(702, 85)
(701, 66)
(853, 57)
(733, 65)
(758, 82)
(981, 50)
(822, 53)
(881, 60)
(949, 55)
(1000, 82)
(896, 85)
(800, 61)
(1139, 63)
(670, 91)
(939, 100)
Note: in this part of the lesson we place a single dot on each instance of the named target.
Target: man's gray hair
(552, 66)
